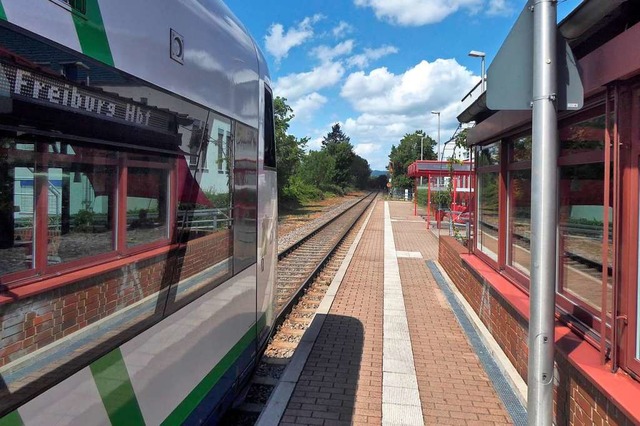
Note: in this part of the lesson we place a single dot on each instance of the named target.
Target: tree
(360, 172)
(338, 146)
(406, 153)
(317, 169)
(289, 149)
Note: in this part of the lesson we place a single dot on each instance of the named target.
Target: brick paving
(342, 380)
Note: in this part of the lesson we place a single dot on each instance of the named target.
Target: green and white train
(138, 211)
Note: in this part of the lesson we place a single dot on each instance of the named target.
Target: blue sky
(377, 67)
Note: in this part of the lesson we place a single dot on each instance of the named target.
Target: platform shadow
(328, 383)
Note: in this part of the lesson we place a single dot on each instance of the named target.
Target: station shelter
(444, 176)
(597, 334)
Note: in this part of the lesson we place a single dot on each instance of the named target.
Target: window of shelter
(488, 176)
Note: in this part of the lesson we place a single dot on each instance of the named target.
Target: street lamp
(481, 55)
(438, 113)
(439, 159)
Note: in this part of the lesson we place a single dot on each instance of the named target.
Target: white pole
(544, 175)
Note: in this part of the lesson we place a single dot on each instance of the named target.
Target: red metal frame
(41, 270)
(626, 318)
(442, 171)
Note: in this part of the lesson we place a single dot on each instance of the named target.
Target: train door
(267, 221)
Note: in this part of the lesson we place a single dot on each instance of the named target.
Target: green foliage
(298, 190)
(421, 194)
(338, 146)
(289, 149)
(360, 172)
(441, 199)
(318, 168)
(218, 200)
(407, 152)
(378, 182)
(83, 221)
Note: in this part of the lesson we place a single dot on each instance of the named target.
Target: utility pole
(421, 153)
(544, 174)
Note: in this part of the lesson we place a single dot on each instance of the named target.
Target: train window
(77, 5)
(269, 128)
(17, 213)
(147, 192)
(81, 203)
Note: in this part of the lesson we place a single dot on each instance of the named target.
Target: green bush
(332, 189)
(297, 190)
(440, 199)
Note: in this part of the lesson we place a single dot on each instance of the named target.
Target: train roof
(197, 49)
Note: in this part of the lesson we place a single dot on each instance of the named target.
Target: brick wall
(576, 400)
(32, 323)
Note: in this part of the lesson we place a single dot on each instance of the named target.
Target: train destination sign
(27, 85)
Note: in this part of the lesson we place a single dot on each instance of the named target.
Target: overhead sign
(31, 86)
(510, 76)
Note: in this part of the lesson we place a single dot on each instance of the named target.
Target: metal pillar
(544, 180)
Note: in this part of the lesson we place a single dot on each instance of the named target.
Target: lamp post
(438, 113)
(481, 55)
(439, 159)
(421, 153)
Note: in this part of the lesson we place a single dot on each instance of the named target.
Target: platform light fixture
(481, 55)
(438, 113)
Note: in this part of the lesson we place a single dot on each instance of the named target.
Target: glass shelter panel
(581, 227)
(519, 254)
(584, 136)
(488, 212)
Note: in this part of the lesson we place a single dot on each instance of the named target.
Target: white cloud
(342, 29)
(432, 84)
(278, 43)
(499, 7)
(306, 106)
(418, 12)
(328, 54)
(390, 106)
(362, 60)
(294, 86)
(363, 149)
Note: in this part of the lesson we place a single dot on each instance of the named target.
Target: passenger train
(138, 211)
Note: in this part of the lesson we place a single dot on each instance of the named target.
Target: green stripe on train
(195, 397)
(3, 15)
(114, 385)
(12, 419)
(92, 34)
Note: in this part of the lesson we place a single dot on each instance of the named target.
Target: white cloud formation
(431, 83)
(294, 86)
(418, 12)
(499, 7)
(363, 60)
(342, 29)
(306, 106)
(328, 54)
(363, 149)
(278, 43)
(391, 105)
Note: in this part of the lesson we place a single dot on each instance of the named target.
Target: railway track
(305, 271)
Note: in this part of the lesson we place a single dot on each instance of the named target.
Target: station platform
(391, 344)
